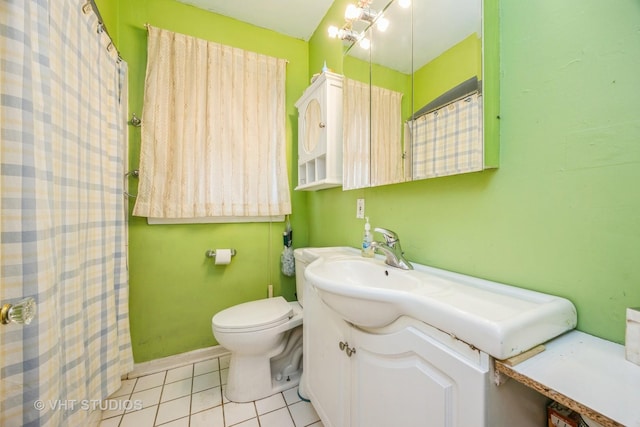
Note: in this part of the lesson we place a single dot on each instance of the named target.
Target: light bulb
(352, 13)
(365, 43)
(404, 3)
(382, 24)
(333, 31)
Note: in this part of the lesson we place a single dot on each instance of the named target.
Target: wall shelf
(586, 374)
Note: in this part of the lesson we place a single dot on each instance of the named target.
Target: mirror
(427, 50)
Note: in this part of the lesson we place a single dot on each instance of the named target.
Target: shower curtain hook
(135, 121)
(134, 173)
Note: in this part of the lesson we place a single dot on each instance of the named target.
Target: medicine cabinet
(320, 134)
(431, 52)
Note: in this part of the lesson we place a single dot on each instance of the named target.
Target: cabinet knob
(322, 125)
(344, 346)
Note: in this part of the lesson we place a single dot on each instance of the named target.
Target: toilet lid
(254, 315)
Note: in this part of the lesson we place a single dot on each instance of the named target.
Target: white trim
(175, 361)
(215, 220)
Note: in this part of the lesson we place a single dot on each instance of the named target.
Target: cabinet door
(409, 379)
(312, 126)
(314, 134)
(326, 366)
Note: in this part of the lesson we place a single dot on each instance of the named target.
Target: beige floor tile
(173, 410)
(178, 374)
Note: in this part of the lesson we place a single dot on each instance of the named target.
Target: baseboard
(175, 361)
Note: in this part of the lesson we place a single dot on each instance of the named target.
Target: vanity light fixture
(382, 24)
(362, 12)
(346, 33)
(359, 12)
(404, 3)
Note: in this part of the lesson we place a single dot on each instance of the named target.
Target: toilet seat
(253, 315)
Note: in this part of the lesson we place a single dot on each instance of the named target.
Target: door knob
(21, 312)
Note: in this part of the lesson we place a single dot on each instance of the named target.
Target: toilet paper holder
(211, 253)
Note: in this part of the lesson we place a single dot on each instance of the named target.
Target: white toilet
(265, 341)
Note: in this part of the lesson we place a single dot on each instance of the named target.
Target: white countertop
(589, 371)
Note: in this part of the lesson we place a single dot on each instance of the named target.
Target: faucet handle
(390, 237)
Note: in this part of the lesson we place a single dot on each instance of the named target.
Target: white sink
(499, 319)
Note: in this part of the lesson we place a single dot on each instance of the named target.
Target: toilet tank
(305, 256)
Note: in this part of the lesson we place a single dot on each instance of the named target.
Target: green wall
(560, 215)
(461, 62)
(174, 289)
(109, 13)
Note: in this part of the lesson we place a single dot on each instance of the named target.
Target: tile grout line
(193, 377)
(224, 418)
(155, 419)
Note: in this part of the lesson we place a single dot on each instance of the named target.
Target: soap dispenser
(367, 239)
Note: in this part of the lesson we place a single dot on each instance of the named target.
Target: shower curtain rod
(101, 24)
(461, 91)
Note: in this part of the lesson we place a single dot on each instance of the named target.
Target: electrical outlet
(360, 209)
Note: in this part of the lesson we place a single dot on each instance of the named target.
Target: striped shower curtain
(62, 213)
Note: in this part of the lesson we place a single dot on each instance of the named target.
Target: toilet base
(256, 377)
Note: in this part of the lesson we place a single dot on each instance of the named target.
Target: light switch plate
(360, 209)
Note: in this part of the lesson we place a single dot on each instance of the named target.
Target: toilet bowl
(265, 338)
(265, 341)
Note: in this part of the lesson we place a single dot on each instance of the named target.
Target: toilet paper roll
(223, 256)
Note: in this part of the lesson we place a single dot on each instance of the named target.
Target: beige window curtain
(213, 131)
(372, 135)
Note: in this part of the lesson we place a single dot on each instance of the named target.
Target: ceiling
(437, 24)
(295, 18)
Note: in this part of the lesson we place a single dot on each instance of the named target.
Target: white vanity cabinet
(398, 377)
(405, 378)
(406, 374)
(326, 366)
(320, 134)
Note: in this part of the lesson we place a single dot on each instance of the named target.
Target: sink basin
(365, 292)
(499, 319)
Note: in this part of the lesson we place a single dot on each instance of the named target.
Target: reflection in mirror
(387, 98)
(356, 153)
(391, 78)
(446, 133)
(427, 50)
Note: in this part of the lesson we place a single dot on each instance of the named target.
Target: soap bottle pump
(367, 239)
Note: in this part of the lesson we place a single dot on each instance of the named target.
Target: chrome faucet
(391, 249)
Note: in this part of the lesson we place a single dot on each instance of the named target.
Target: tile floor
(192, 396)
